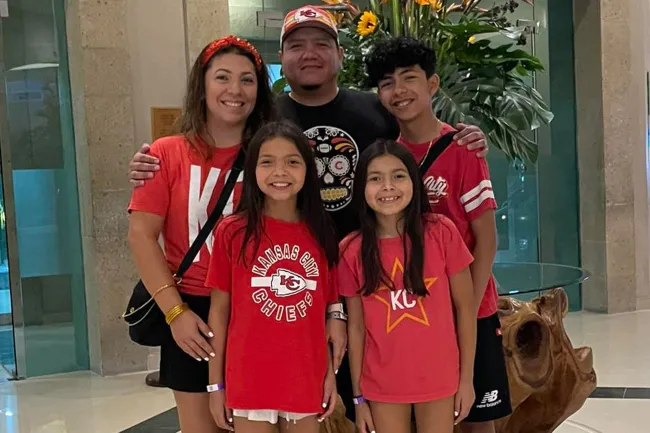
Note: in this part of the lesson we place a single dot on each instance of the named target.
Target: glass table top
(517, 278)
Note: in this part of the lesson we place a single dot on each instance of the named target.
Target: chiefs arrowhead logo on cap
(309, 16)
(306, 14)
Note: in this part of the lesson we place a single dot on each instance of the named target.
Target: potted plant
(481, 82)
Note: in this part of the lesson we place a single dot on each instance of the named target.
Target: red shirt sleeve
(476, 195)
(349, 281)
(457, 256)
(153, 196)
(220, 268)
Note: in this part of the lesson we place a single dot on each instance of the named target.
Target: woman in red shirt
(228, 98)
(272, 271)
(405, 275)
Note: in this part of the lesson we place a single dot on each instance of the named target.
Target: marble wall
(612, 149)
(125, 57)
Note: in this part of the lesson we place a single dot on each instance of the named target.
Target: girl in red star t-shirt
(228, 99)
(411, 311)
(272, 275)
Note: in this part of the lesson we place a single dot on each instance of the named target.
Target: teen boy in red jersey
(458, 186)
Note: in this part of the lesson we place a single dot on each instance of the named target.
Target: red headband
(231, 41)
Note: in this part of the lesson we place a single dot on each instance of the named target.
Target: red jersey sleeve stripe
(485, 195)
(475, 192)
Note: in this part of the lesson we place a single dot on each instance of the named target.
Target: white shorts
(270, 416)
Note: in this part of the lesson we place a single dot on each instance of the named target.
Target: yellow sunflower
(367, 24)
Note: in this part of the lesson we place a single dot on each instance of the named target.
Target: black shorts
(178, 370)
(490, 374)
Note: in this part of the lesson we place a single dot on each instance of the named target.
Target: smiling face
(389, 188)
(407, 93)
(280, 170)
(230, 88)
(310, 58)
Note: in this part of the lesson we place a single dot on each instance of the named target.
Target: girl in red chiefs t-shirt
(272, 274)
(411, 313)
(228, 99)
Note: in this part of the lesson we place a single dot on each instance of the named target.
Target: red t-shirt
(185, 191)
(411, 351)
(276, 355)
(459, 187)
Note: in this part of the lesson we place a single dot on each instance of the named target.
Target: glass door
(41, 202)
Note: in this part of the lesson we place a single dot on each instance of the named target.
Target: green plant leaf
(279, 85)
(482, 83)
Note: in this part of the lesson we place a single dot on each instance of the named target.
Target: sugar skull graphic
(336, 155)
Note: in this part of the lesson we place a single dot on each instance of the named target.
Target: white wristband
(216, 387)
(335, 308)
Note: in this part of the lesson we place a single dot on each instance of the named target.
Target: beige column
(612, 152)
(125, 57)
(205, 21)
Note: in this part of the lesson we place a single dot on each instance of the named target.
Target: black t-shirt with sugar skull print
(339, 131)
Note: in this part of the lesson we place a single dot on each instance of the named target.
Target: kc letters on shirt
(184, 191)
(402, 328)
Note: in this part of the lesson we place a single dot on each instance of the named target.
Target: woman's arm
(463, 298)
(144, 231)
(356, 340)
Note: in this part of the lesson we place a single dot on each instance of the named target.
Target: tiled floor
(85, 403)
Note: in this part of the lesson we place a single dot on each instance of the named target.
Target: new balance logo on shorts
(490, 399)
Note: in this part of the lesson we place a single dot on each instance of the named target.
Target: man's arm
(485, 249)
(472, 137)
(142, 166)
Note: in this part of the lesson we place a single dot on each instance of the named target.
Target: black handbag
(147, 326)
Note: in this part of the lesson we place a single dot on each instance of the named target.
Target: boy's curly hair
(398, 52)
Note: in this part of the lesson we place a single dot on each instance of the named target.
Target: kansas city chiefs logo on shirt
(287, 283)
(284, 283)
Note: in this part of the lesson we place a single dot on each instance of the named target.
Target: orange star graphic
(423, 319)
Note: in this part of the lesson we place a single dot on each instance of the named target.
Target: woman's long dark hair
(195, 110)
(413, 217)
(310, 206)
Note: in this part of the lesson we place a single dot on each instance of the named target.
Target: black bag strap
(237, 167)
(435, 150)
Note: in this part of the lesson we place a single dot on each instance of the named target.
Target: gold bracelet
(175, 312)
(166, 286)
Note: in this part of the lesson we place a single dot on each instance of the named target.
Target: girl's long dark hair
(195, 110)
(310, 206)
(413, 216)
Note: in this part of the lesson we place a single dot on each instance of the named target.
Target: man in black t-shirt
(340, 124)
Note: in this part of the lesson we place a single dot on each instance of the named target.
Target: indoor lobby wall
(611, 89)
(125, 57)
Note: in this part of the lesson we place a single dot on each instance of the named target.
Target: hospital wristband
(337, 315)
(358, 400)
(216, 387)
